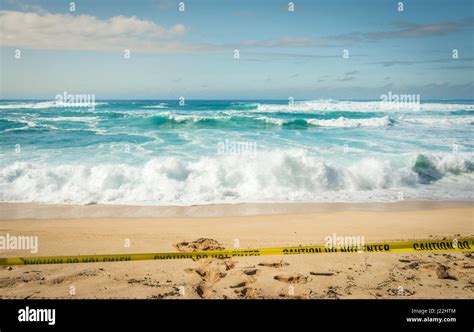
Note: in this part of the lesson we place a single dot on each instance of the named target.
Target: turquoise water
(159, 152)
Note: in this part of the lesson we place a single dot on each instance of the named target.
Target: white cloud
(42, 30)
(85, 32)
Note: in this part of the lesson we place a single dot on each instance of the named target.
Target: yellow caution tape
(452, 245)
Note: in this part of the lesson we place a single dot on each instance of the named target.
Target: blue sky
(282, 53)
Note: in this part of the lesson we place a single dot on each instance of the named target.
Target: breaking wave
(273, 176)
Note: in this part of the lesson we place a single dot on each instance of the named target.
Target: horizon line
(224, 99)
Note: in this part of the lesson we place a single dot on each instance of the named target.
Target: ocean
(204, 152)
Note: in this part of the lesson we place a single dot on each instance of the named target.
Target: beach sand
(96, 229)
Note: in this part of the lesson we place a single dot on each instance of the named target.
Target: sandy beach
(366, 275)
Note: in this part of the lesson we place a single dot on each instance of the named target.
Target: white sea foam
(29, 105)
(275, 121)
(340, 122)
(172, 116)
(343, 122)
(292, 175)
(358, 106)
(188, 117)
(445, 121)
(161, 105)
(27, 124)
(41, 105)
(184, 118)
(71, 119)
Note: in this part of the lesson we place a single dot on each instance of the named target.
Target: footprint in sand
(203, 291)
(251, 272)
(246, 292)
(332, 292)
(145, 282)
(210, 271)
(201, 244)
(239, 285)
(442, 272)
(275, 265)
(229, 265)
(175, 292)
(208, 275)
(292, 279)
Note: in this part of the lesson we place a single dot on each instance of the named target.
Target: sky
(282, 53)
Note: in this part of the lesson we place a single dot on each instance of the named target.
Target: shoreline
(41, 211)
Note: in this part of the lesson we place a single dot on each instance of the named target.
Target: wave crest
(312, 106)
(274, 176)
